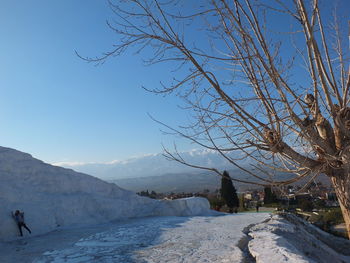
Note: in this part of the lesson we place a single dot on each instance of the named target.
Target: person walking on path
(19, 218)
(257, 207)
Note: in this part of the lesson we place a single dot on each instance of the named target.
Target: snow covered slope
(53, 197)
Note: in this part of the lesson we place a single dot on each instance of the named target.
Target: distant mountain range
(150, 165)
(179, 182)
(196, 182)
(156, 173)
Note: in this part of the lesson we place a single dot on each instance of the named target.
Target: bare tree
(278, 92)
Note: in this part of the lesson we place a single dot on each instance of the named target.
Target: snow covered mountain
(150, 165)
(53, 197)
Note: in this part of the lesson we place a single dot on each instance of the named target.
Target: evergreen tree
(269, 197)
(153, 195)
(228, 192)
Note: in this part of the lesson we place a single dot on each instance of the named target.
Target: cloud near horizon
(191, 152)
(64, 163)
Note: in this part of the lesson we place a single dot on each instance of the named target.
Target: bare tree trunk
(342, 188)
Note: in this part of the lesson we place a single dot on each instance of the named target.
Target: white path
(162, 239)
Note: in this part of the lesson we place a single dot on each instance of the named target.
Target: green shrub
(305, 205)
(334, 216)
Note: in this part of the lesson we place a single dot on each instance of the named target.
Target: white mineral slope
(53, 197)
(291, 239)
(204, 239)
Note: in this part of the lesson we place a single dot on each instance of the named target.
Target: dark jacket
(19, 218)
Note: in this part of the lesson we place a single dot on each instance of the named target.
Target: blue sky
(60, 108)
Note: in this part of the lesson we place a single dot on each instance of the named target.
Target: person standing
(19, 218)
